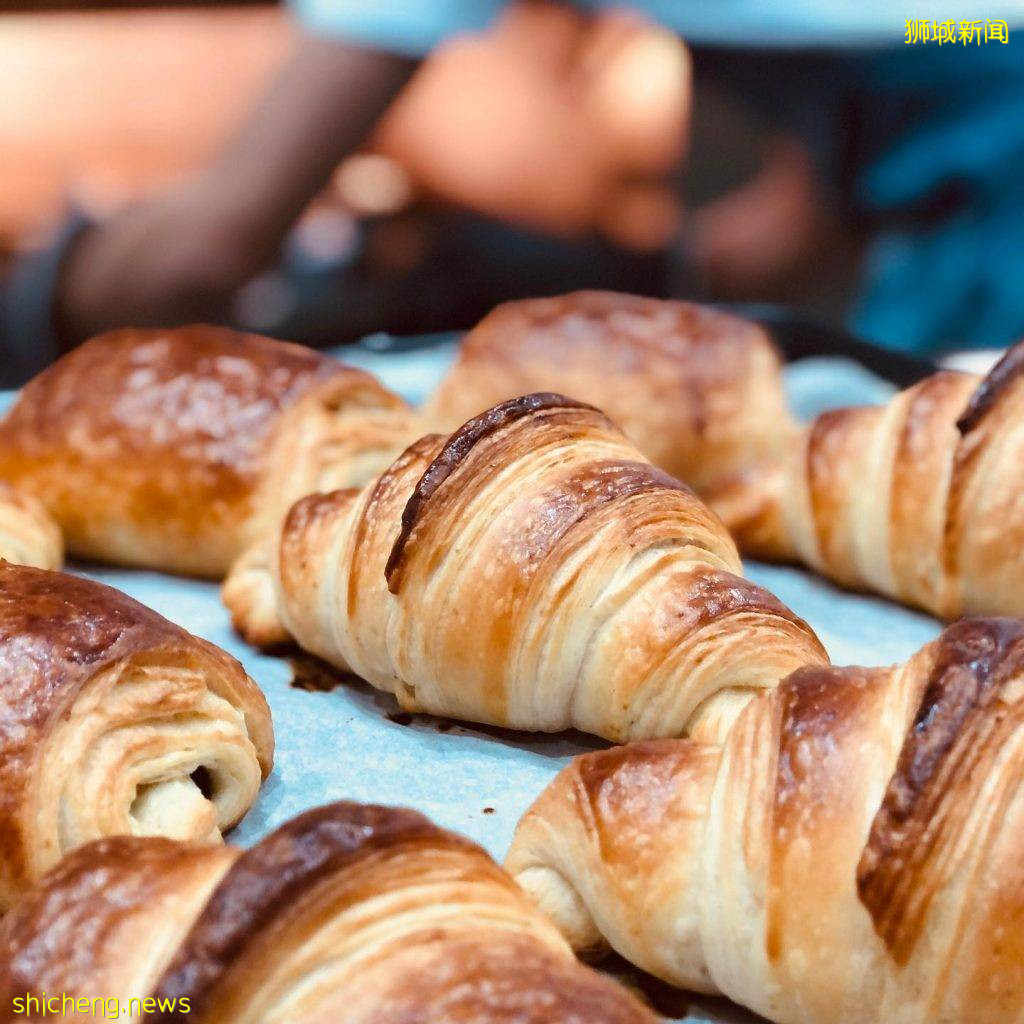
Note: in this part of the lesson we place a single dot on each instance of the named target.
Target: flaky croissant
(176, 449)
(348, 914)
(853, 853)
(697, 390)
(28, 536)
(531, 571)
(114, 720)
(921, 500)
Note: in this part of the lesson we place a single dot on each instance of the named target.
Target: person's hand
(159, 261)
(179, 257)
(553, 120)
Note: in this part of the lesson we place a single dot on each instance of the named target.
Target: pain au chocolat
(114, 720)
(176, 449)
(697, 390)
(348, 913)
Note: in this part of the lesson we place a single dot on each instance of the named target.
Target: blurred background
(328, 170)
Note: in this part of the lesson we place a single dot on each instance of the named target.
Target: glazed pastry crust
(850, 855)
(176, 449)
(354, 913)
(532, 571)
(104, 921)
(28, 536)
(107, 713)
(697, 390)
(919, 500)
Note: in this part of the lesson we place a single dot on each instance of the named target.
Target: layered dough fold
(28, 536)
(113, 720)
(347, 913)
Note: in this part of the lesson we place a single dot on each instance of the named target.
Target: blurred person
(524, 124)
(922, 143)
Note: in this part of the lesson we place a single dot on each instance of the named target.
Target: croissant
(348, 913)
(853, 853)
(921, 500)
(531, 571)
(28, 535)
(113, 720)
(176, 449)
(697, 390)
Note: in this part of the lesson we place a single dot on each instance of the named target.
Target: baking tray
(342, 739)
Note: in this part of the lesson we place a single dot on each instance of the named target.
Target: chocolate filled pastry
(113, 720)
(348, 913)
(176, 449)
(532, 571)
(921, 500)
(28, 536)
(852, 854)
(698, 391)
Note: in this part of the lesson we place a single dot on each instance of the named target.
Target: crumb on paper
(313, 675)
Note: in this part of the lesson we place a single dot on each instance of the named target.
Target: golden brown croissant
(853, 853)
(113, 720)
(532, 571)
(28, 536)
(175, 449)
(348, 914)
(697, 390)
(921, 500)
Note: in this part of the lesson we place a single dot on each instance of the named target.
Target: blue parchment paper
(350, 742)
